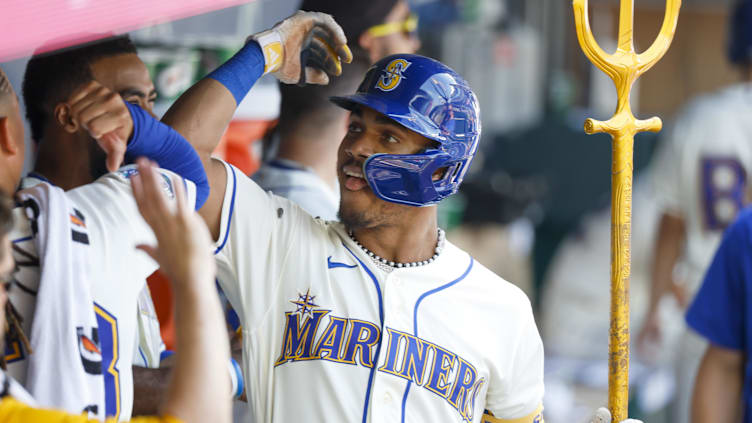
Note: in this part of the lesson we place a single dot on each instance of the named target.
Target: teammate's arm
(204, 111)
(125, 131)
(149, 388)
(668, 248)
(199, 389)
(718, 386)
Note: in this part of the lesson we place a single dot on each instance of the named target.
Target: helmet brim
(398, 112)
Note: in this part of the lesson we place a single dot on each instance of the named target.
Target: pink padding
(26, 25)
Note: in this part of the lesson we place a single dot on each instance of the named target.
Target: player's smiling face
(370, 132)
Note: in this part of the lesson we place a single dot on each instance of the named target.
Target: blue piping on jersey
(335, 264)
(185, 187)
(232, 209)
(381, 334)
(415, 322)
(40, 177)
(15, 241)
(143, 357)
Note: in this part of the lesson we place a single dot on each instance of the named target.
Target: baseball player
(377, 318)
(198, 392)
(700, 181)
(106, 210)
(70, 160)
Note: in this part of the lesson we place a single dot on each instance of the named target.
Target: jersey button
(387, 398)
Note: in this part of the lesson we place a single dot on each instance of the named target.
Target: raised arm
(126, 131)
(204, 111)
(199, 389)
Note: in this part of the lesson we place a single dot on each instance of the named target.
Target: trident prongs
(624, 66)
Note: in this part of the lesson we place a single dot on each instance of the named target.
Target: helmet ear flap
(406, 178)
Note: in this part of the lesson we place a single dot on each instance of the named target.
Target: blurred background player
(722, 314)
(198, 391)
(310, 127)
(700, 179)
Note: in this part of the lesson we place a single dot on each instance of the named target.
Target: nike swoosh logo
(334, 264)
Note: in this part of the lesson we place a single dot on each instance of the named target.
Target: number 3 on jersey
(723, 186)
(108, 336)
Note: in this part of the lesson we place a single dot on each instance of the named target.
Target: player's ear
(64, 118)
(8, 145)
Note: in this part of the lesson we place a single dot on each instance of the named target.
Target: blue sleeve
(242, 71)
(157, 141)
(718, 310)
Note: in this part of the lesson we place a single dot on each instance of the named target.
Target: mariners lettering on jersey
(312, 333)
(392, 74)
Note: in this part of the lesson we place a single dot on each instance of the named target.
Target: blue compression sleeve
(242, 71)
(157, 141)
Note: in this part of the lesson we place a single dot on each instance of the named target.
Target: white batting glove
(307, 47)
(602, 415)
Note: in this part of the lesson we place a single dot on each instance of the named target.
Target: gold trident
(624, 67)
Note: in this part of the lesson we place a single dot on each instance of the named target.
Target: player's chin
(354, 207)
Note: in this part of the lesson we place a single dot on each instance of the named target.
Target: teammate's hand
(314, 36)
(679, 290)
(602, 415)
(104, 115)
(184, 246)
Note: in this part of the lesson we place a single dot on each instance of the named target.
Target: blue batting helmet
(740, 33)
(431, 99)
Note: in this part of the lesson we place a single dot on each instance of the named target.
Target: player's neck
(413, 239)
(63, 166)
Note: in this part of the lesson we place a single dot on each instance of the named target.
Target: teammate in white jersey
(377, 318)
(701, 178)
(68, 160)
(199, 391)
(107, 209)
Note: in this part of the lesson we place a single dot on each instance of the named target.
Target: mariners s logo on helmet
(392, 74)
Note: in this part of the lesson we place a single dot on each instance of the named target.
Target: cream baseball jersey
(700, 173)
(118, 270)
(329, 336)
(149, 345)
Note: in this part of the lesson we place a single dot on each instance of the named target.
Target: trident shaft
(624, 67)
